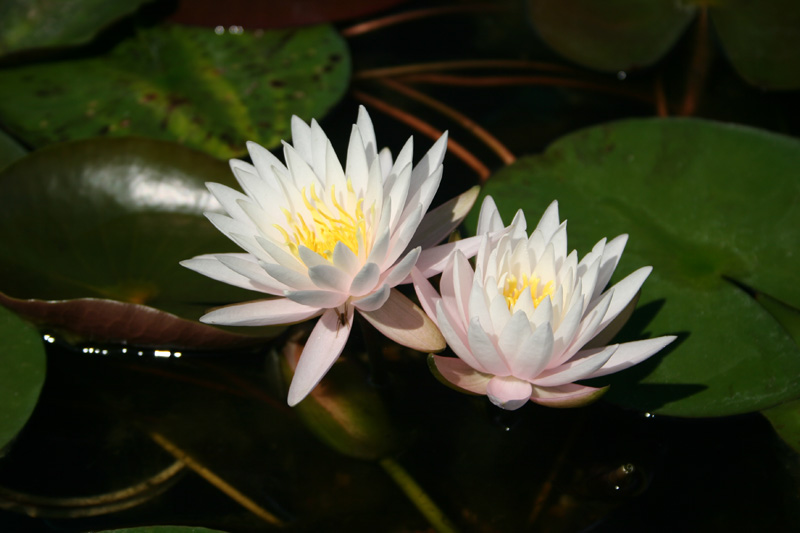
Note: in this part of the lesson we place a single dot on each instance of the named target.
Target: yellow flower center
(514, 287)
(326, 226)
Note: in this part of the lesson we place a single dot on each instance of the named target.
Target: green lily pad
(612, 35)
(713, 208)
(207, 91)
(34, 24)
(10, 150)
(23, 362)
(109, 219)
(761, 39)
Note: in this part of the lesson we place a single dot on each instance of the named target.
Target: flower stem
(423, 502)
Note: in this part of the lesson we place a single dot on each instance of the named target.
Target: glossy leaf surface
(23, 362)
(110, 219)
(712, 208)
(207, 91)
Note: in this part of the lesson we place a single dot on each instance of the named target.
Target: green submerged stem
(418, 496)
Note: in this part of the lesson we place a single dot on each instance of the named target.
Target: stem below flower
(423, 502)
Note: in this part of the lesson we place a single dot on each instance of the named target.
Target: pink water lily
(522, 323)
(326, 240)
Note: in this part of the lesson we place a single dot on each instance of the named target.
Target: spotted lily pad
(35, 24)
(713, 208)
(207, 91)
(23, 362)
(109, 219)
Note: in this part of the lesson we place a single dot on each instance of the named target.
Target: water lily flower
(523, 321)
(326, 240)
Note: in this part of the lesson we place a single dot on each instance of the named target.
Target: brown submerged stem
(408, 16)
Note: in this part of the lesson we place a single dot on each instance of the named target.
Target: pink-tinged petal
(500, 315)
(405, 323)
(569, 395)
(287, 276)
(458, 282)
(264, 160)
(433, 260)
(357, 166)
(489, 220)
(534, 354)
(330, 278)
(261, 313)
(508, 392)
(456, 374)
(373, 301)
(402, 269)
(624, 292)
(438, 223)
(318, 298)
(576, 369)
(549, 222)
(484, 350)
(211, 266)
(479, 307)
(455, 334)
(631, 353)
(426, 294)
(366, 280)
(612, 252)
(323, 347)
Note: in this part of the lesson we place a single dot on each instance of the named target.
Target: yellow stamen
(514, 287)
(327, 226)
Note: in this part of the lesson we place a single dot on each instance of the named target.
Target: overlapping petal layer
(520, 321)
(327, 240)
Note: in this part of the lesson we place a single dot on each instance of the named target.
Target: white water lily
(520, 322)
(327, 240)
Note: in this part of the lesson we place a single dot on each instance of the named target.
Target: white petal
(534, 353)
(211, 266)
(428, 164)
(624, 292)
(485, 351)
(323, 347)
(631, 353)
(261, 313)
(357, 167)
(328, 277)
(366, 280)
(264, 160)
(401, 270)
(433, 260)
(576, 369)
(247, 265)
(489, 220)
(611, 256)
(301, 139)
(318, 298)
(549, 222)
(289, 277)
(367, 135)
(373, 301)
(344, 258)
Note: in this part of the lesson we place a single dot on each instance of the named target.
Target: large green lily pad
(761, 39)
(613, 35)
(207, 91)
(109, 219)
(34, 24)
(23, 362)
(713, 208)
